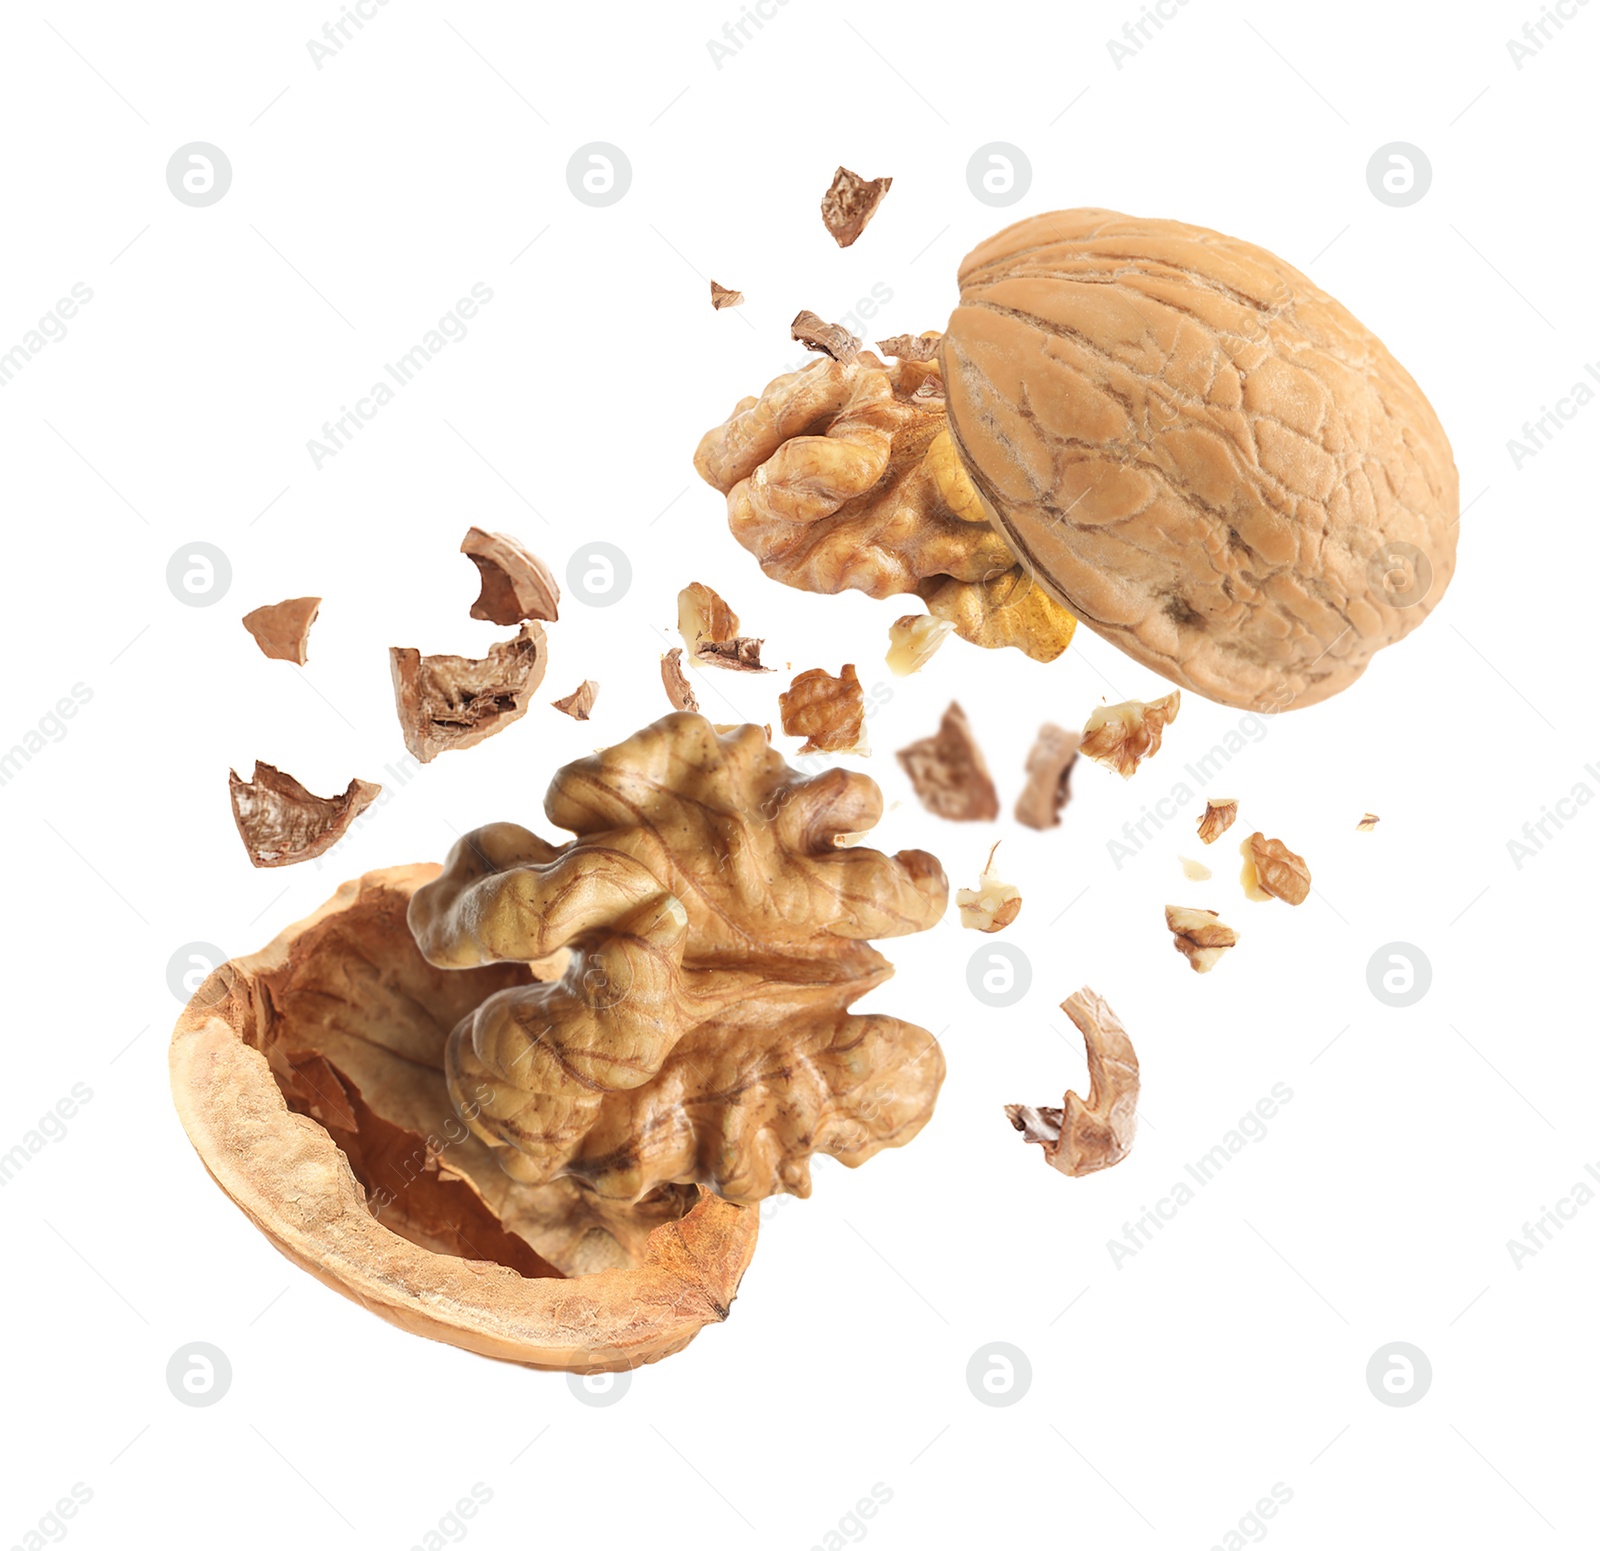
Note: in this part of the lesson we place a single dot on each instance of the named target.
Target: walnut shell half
(309, 1077)
(1198, 452)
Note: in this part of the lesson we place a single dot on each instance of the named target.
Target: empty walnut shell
(1198, 452)
(309, 1077)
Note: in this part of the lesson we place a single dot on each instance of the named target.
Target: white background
(1167, 1396)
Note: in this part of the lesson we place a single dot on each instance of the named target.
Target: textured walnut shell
(338, 1028)
(1198, 452)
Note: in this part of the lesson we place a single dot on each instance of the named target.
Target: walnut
(580, 702)
(829, 713)
(1200, 936)
(1049, 784)
(1195, 872)
(913, 639)
(993, 905)
(514, 585)
(281, 823)
(850, 202)
(1272, 871)
(1121, 737)
(830, 339)
(700, 1033)
(949, 773)
(722, 297)
(844, 477)
(1219, 816)
(1086, 1136)
(703, 616)
(310, 1079)
(1367, 823)
(280, 629)
(676, 683)
(455, 702)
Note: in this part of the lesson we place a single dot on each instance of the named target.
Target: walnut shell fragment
(913, 639)
(455, 702)
(281, 629)
(1200, 936)
(850, 202)
(912, 347)
(1199, 452)
(993, 905)
(1218, 817)
(514, 584)
(722, 297)
(1087, 1136)
(828, 712)
(1122, 737)
(676, 682)
(1272, 871)
(326, 1119)
(701, 1032)
(580, 702)
(949, 773)
(1049, 783)
(282, 823)
(1367, 823)
(831, 339)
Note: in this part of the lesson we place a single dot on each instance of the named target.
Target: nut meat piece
(280, 629)
(1086, 1136)
(993, 905)
(580, 702)
(1367, 823)
(1272, 871)
(850, 202)
(281, 822)
(844, 477)
(948, 771)
(1049, 785)
(1195, 872)
(676, 682)
(700, 1034)
(703, 617)
(1122, 737)
(829, 713)
(514, 585)
(830, 339)
(1199, 452)
(455, 702)
(325, 1117)
(1199, 936)
(1218, 817)
(913, 639)
(722, 297)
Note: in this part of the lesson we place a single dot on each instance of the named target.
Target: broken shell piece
(830, 339)
(580, 702)
(514, 585)
(1122, 737)
(455, 702)
(1049, 786)
(1219, 815)
(722, 297)
(913, 639)
(912, 347)
(281, 822)
(829, 713)
(281, 629)
(949, 773)
(703, 616)
(676, 683)
(1200, 936)
(991, 906)
(1195, 872)
(1088, 1136)
(1272, 871)
(850, 202)
(1368, 823)
(742, 654)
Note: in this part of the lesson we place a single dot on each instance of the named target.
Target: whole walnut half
(701, 1032)
(1181, 439)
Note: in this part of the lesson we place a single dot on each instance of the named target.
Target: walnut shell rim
(290, 1177)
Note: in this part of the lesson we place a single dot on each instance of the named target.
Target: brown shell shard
(580, 702)
(850, 202)
(1367, 823)
(742, 654)
(949, 773)
(1272, 871)
(1122, 737)
(281, 629)
(680, 692)
(455, 702)
(282, 823)
(830, 339)
(703, 616)
(1098, 1132)
(912, 347)
(1049, 784)
(722, 297)
(514, 584)
(828, 712)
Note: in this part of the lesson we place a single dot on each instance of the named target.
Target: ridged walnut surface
(1202, 454)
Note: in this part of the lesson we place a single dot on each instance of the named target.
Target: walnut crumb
(580, 702)
(1049, 785)
(1195, 872)
(1199, 936)
(1219, 815)
(949, 772)
(1368, 823)
(850, 202)
(913, 639)
(830, 339)
(828, 712)
(1122, 737)
(1272, 871)
(679, 691)
(991, 906)
(722, 297)
(912, 347)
